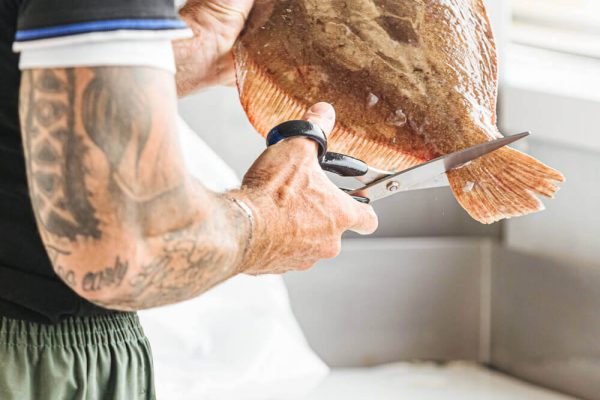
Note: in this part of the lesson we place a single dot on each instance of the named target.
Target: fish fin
(503, 184)
(374, 152)
(266, 104)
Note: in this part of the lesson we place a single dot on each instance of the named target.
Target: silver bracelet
(248, 211)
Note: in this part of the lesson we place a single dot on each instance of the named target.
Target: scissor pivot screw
(393, 186)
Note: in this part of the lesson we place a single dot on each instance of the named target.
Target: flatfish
(411, 80)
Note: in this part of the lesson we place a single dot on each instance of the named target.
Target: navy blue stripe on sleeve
(99, 26)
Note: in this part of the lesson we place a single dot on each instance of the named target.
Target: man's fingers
(366, 222)
(323, 115)
(366, 219)
(224, 10)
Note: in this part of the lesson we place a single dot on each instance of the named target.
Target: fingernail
(323, 109)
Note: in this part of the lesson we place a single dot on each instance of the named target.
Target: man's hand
(300, 214)
(206, 59)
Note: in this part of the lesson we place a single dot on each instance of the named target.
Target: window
(571, 26)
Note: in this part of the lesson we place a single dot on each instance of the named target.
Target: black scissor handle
(360, 199)
(337, 163)
(299, 128)
(343, 165)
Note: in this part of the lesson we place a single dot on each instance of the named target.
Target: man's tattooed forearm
(105, 278)
(176, 273)
(104, 166)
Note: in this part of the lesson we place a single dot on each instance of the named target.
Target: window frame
(556, 26)
(537, 81)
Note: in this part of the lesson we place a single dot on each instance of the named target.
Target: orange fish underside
(410, 80)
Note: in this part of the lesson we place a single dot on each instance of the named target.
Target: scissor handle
(337, 163)
(343, 165)
(361, 199)
(299, 128)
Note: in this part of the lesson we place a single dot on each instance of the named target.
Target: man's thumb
(323, 115)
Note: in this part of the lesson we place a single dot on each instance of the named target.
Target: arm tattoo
(109, 276)
(55, 155)
(67, 275)
(103, 159)
(115, 118)
(183, 267)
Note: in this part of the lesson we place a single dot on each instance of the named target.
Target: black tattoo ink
(49, 82)
(115, 115)
(56, 164)
(108, 277)
(54, 252)
(183, 270)
(46, 182)
(45, 153)
(68, 276)
(107, 124)
(48, 112)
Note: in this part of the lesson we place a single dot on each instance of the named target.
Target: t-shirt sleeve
(45, 23)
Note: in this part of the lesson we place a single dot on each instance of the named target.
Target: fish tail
(503, 184)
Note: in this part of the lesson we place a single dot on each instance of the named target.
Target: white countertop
(427, 381)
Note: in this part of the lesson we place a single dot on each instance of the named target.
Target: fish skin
(411, 80)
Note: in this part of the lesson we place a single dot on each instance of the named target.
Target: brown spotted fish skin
(410, 81)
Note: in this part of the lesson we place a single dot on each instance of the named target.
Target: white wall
(392, 299)
(569, 229)
(557, 97)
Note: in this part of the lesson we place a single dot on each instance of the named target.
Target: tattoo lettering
(108, 277)
(68, 276)
(183, 270)
(183, 261)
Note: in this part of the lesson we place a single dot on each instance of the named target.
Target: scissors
(379, 184)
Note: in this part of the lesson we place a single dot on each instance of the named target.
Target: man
(119, 223)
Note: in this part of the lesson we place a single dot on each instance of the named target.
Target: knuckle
(303, 147)
(305, 265)
(257, 177)
(346, 215)
(369, 221)
(344, 221)
(375, 221)
(283, 194)
(372, 217)
(332, 250)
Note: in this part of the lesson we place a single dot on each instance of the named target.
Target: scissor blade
(432, 173)
(372, 175)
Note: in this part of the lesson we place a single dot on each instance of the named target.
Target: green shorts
(103, 357)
